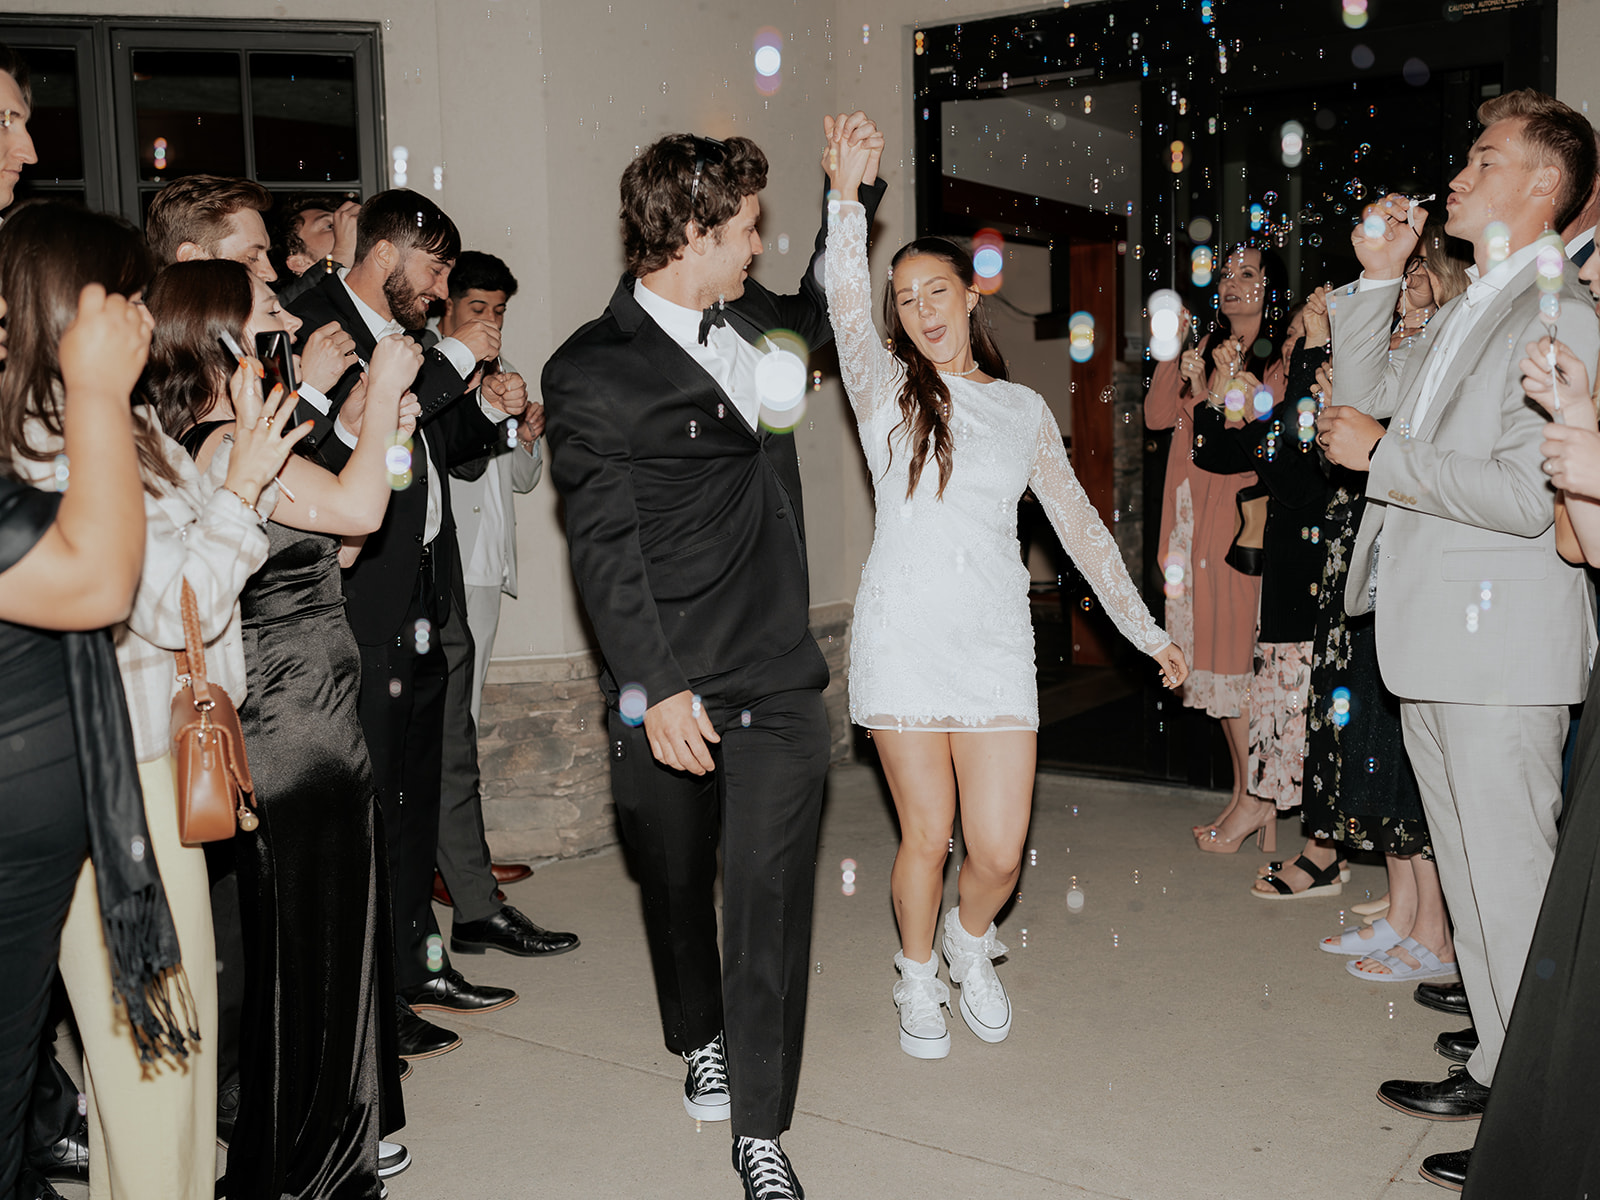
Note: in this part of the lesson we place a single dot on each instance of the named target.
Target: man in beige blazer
(1483, 631)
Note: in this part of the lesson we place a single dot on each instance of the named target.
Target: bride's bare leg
(996, 774)
(922, 781)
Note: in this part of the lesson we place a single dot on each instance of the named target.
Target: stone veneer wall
(542, 747)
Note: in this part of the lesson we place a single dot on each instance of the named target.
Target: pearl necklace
(973, 370)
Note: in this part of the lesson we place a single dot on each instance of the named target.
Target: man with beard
(397, 592)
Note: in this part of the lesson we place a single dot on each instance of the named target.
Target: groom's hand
(679, 729)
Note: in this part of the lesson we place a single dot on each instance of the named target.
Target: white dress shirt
(1458, 326)
(726, 356)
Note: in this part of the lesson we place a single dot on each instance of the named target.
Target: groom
(687, 540)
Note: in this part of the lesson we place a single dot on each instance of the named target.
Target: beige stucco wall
(533, 107)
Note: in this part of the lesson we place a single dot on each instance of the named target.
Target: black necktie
(711, 316)
(1582, 256)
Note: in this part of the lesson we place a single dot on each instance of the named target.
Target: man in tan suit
(1483, 631)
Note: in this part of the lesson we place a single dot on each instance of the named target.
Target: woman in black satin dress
(319, 1077)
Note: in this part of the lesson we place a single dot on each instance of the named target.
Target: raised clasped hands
(853, 152)
(678, 730)
(1385, 256)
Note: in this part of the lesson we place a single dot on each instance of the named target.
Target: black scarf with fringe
(146, 968)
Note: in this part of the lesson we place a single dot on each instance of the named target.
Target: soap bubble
(1292, 143)
(1200, 230)
(1080, 330)
(1498, 236)
(1166, 318)
(632, 703)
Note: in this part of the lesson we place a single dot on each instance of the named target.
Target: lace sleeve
(870, 372)
(1088, 540)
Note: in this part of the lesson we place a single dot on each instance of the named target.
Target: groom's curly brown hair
(660, 195)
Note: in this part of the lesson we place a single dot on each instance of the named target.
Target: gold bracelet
(246, 503)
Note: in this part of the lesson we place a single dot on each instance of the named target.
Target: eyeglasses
(707, 150)
(1416, 264)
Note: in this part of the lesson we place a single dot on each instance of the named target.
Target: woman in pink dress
(1211, 608)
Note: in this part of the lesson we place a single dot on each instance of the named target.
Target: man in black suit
(398, 592)
(688, 543)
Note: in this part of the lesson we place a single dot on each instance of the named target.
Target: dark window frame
(108, 122)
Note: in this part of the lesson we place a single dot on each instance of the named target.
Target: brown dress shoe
(505, 873)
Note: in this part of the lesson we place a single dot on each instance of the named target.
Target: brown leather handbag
(213, 777)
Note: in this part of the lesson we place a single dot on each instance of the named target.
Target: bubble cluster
(1497, 235)
(847, 873)
(1200, 265)
(780, 380)
(435, 953)
(1355, 13)
(421, 635)
(397, 460)
(988, 260)
(768, 54)
(1292, 143)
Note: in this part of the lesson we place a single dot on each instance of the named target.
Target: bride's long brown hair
(925, 397)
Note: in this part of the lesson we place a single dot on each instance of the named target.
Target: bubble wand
(1552, 263)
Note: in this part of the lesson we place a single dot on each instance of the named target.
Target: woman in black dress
(1277, 447)
(318, 1069)
(69, 564)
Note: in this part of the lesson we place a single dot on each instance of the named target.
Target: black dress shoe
(448, 991)
(227, 1112)
(510, 931)
(1447, 1170)
(1443, 997)
(67, 1158)
(1459, 1097)
(419, 1038)
(1457, 1047)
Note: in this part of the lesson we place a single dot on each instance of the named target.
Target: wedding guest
(1211, 611)
(312, 236)
(151, 1127)
(1461, 495)
(398, 588)
(482, 495)
(942, 665)
(16, 107)
(1292, 556)
(702, 615)
(210, 216)
(69, 786)
(318, 1073)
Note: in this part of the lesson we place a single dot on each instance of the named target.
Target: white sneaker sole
(708, 1112)
(987, 1033)
(390, 1170)
(921, 1047)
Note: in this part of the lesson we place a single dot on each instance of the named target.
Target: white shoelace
(982, 985)
(709, 1066)
(922, 998)
(770, 1177)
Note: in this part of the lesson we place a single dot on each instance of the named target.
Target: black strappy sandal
(1325, 881)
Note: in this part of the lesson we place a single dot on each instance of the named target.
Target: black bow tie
(715, 315)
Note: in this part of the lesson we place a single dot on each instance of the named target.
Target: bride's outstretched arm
(871, 373)
(1088, 540)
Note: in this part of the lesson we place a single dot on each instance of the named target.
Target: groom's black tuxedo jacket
(379, 587)
(684, 525)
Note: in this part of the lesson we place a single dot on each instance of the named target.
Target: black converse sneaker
(705, 1089)
(766, 1170)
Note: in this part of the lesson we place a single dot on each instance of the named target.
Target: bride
(942, 654)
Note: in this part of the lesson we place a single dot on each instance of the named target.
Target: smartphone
(277, 359)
